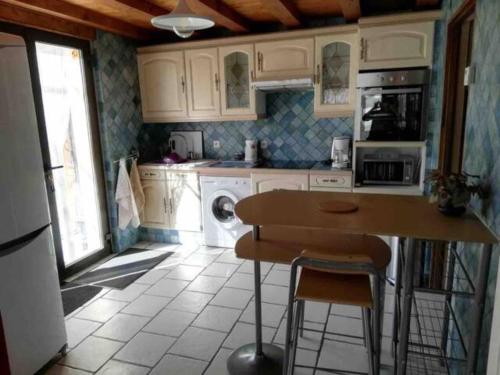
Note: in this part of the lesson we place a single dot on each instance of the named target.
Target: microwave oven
(387, 170)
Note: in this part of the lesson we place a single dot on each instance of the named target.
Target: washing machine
(219, 195)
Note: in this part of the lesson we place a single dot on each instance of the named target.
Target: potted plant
(453, 192)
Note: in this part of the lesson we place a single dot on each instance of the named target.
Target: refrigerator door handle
(19, 243)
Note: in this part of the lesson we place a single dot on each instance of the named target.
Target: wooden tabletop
(390, 215)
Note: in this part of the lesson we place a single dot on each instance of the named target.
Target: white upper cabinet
(396, 46)
(336, 57)
(236, 70)
(203, 83)
(163, 86)
(293, 58)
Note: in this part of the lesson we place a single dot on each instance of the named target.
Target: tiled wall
(291, 130)
(117, 90)
(482, 140)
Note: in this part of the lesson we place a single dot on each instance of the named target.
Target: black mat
(123, 269)
(75, 295)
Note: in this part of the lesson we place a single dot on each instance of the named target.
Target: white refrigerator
(30, 297)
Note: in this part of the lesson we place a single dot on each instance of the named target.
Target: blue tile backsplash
(290, 129)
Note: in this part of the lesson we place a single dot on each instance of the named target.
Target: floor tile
(244, 333)
(345, 326)
(271, 314)
(342, 356)
(175, 365)
(152, 276)
(275, 294)
(278, 277)
(220, 269)
(78, 329)
(241, 281)
(206, 284)
(91, 354)
(202, 260)
(63, 370)
(229, 256)
(229, 297)
(147, 305)
(170, 322)
(345, 310)
(142, 245)
(217, 318)
(158, 246)
(184, 272)
(248, 267)
(121, 368)
(145, 349)
(311, 340)
(190, 301)
(306, 357)
(122, 327)
(128, 294)
(198, 343)
(316, 312)
(167, 288)
(101, 310)
(219, 363)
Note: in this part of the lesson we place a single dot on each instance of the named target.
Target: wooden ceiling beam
(144, 6)
(351, 9)
(59, 8)
(285, 11)
(222, 14)
(41, 21)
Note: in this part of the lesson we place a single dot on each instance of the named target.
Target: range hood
(285, 84)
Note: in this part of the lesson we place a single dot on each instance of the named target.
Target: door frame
(31, 36)
(451, 77)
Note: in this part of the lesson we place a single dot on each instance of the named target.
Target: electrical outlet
(216, 144)
(263, 144)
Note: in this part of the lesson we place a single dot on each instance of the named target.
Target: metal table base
(257, 358)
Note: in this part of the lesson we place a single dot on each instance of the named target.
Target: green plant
(455, 189)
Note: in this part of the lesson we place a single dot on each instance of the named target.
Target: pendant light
(182, 21)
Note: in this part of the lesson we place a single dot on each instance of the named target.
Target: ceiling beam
(37, 20)
(285, 11)
(222, 14)
(351, 9)
(59, 8)
(144, 6)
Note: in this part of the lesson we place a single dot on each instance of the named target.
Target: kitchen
(256, 113)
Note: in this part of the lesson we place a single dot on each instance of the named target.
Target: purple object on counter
(173, 158)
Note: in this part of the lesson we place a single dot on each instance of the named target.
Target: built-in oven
(392, 105)
(387, 169)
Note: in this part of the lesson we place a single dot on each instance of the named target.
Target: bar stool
(342, 278)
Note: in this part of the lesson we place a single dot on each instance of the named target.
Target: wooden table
(387, 215)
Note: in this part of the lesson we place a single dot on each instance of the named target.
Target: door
(236, 70)
(494, 355)
(337, 57)
(285, 59)
(203, 83)
(396, 46)
(156, 207)
(163, 86)
(71, 148)
(262, 183)
(185, 201)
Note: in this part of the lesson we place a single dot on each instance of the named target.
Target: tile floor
(187, 315)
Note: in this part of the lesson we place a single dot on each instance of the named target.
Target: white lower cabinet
(262, 182)
(172, 200)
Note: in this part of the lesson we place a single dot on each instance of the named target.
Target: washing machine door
(221, 209)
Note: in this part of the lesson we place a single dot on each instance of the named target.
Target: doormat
(123, 269)
(75, 295)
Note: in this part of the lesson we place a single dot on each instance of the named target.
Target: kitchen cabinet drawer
(330, 180)
(151, 173)
(262, 182)
(292, 58)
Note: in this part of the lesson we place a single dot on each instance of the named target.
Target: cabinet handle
(259, 61)
(216, 82)
(252, 75)
(318, 74)
(183, 84)
(170, 204)
(165, 205)
(362, 53)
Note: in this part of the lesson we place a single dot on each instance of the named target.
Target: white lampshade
(182, 21)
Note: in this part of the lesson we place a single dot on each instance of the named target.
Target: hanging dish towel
(135, 181)
(124, 197)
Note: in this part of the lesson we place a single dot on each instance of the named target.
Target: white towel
(127, 209)
(135, 181)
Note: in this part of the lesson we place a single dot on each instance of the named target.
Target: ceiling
(132, 18)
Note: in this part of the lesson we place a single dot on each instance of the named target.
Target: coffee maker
(341, 152)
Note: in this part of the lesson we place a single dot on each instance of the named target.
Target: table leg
(404, 332)
(378, 316)
(478, 308)
(450, 275)
(257, 358)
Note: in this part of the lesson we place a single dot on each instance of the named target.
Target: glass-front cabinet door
(335, 75)
(236, 69)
